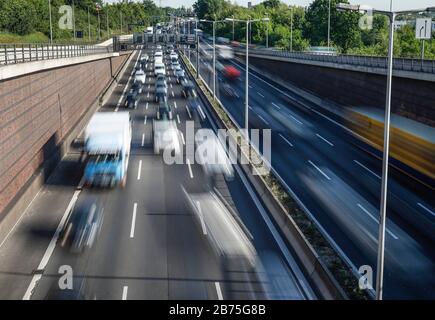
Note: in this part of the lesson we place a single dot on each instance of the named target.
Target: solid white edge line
(218, 290)
(133, 220)
(51, 247)
(318, 169)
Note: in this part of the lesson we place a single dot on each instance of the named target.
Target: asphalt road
(338, 182)
(150, 246)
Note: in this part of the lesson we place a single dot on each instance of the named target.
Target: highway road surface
(150, 246)
(338, 182)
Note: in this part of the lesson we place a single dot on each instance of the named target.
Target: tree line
(310, 28)
(23, 17)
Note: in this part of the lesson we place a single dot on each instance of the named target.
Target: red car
(231, 73)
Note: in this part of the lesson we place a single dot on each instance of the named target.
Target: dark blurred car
(132, 99)
(83, 226)
(164, 111)
(228, 90)
(137, 86)
(161, 77)
(188, 88)
(160, 94)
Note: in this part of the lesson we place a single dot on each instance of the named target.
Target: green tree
(344, 25)
(18, 16)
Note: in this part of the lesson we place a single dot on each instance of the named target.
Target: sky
(378, 4)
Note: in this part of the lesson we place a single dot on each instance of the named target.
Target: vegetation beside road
(310, 28)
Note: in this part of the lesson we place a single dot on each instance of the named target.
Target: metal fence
(21, 53)
(403, 64)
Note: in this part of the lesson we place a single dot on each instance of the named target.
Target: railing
(403, 64)
(21, 53)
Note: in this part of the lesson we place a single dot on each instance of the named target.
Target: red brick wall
(38, 107)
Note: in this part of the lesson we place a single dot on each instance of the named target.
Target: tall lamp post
(74, 21)
(392, 15)
(214, 52)
(291, 28)
(267, 31)
(51, 25)
(329, 23)
(248, 23)
(89, 26)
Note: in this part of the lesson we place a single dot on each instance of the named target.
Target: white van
(159, 68)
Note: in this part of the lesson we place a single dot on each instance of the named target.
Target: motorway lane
(158, 254)
(348, 184)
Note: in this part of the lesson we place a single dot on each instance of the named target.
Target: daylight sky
(378, 4)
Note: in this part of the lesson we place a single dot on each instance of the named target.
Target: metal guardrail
(402, 64)
(21, 53)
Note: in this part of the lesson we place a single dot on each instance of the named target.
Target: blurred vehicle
(83, 225)
(164, 111)
(325, 51)
(144, 57)
(107, 146)
(228, 90)
(161, 77)
(139, 76)
(173, 55)
(225, 52)
(132, 99)
(235, 44)
(222, 40)
(150, 30)
(212, 156)
(159, 68)
(231, 73)
(158, 47)
(166, 136)
(412, 151)
(180, 74)
(158, 55)
(188, 89)
(230, 242)
(175, 64)
(162, 84)
(160, 94)
(136, 87)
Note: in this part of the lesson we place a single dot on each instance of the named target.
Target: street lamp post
(329, 23)
(74, 21)
(383, 206)
(291, 29)
(51, 25)
(248, 23)
(89, 26)
(214, 53)
(267, 32)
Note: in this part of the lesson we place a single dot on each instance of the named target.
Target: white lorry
(107, 147)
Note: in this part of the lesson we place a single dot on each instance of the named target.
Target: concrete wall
(414, 99)
(37, 112)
